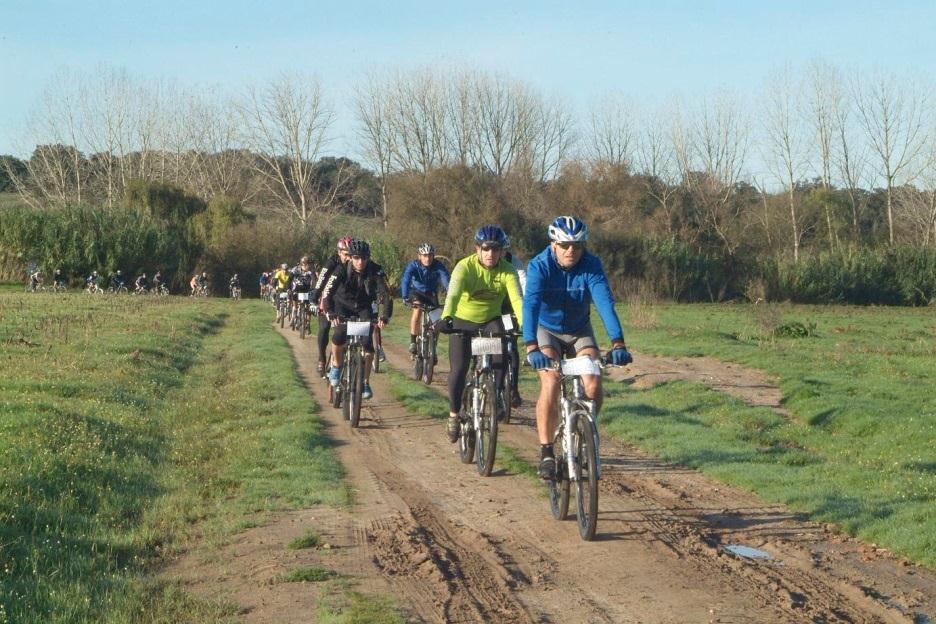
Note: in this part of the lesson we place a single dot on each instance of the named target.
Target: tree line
(711, 199)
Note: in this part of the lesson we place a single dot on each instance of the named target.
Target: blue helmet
(568, 229)
(490, 234)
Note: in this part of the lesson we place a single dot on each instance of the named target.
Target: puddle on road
(746, 552)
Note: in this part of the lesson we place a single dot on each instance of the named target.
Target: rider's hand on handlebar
(620, 356)
(443, 325)
(538, 360)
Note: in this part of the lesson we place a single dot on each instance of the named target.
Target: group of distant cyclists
(550, 300)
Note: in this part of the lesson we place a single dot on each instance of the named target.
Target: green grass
(309, 574)
(343, 605)
(131, 428)
(310, 540)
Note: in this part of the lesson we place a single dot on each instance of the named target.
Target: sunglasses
(568, 244)
(490, 247)
(359, 257)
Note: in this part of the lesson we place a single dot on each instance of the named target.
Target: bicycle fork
(570, 436)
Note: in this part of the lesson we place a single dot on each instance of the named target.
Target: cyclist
(117, 281)
(140, 284)
(264, 284)
(203, 283)
(93, 282)
(302, 279)
(157, 282)
(233, 283)
(420, 284)
(477, 289)
(515, 400)
(350, 292)
(562, 282)
(35, 280)
(58, 279)
(339, 258)
(193, 284)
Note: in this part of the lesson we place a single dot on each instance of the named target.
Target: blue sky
(650, 50)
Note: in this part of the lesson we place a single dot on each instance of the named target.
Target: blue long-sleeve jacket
(424, 279)
(560, 299)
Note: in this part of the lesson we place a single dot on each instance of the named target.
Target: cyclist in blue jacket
(420, 284)
(562, 282)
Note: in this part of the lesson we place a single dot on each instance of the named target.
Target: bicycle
(576, 445)
(282, 308)
(351, 378)
(424, 359)
(477, 438)
(59, 287)
(119, 289)
(304, 314)
(235, 293)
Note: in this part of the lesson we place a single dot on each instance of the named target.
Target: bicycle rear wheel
(559, 487)
(487, 433)
(466, 434)
(586, 487)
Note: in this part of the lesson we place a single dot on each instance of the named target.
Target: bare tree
(825, 98)
(286, 124)
(375, 130)
(506, 114)
(613, 133)
(784, 145)
(710, 150)
(893, 116)
(657, 164)
(552, 137)
(418, 116)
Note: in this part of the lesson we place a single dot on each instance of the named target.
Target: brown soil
(452, 546)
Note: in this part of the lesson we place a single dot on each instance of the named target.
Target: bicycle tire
(508, 389)
(487, 432)
(355, 388)
(466, 434)
(417, 366)
(429, 357)
(302, 322)
(282, 316)
(586, 487)
(559, 487)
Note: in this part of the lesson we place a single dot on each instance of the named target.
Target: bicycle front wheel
(428, 356)
(487, 432)
(302, 322)
(586, 487)
(355, 388)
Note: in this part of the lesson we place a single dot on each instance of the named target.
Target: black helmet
(359, 248)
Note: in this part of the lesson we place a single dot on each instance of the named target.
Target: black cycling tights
(460, 357)
(324, 325)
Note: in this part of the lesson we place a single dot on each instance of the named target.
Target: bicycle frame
(572, 405)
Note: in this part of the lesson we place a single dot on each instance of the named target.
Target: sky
(580, 51)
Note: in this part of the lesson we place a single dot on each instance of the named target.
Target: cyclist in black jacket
(339, 258)
(351, 292)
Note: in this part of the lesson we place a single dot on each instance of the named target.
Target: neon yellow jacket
(475, 294)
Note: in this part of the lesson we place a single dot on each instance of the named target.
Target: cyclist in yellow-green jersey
(477, 289)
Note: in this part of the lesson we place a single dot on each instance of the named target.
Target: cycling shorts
(567, 345)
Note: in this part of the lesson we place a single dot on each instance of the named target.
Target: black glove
(443, 325)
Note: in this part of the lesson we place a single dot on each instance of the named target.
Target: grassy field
(133, 428)
(860, 447)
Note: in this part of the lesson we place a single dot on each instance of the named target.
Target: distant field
(860, 448)
(131, 428)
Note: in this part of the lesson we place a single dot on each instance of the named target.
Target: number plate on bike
(435, 315)
(303, 296)
(284, 295)
(486, 346)
(507, 321)
(358, 328)
(580, 366)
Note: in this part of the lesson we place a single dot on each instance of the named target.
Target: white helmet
(568, 229)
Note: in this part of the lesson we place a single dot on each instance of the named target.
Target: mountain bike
(424, 360)
(59, 287)
(351, 378)
(282, 308)
(117, 289)
(235, 293)
(477, 439)
(302, 315)
(576, 446)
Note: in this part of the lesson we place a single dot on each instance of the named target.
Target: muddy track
(452, 546)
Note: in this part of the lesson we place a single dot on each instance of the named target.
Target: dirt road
(452, 546)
